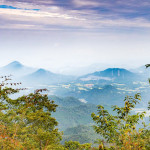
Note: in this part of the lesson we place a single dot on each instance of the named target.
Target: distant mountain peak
(14, 64)
(41, 70)
(115, 69)
(109, 75)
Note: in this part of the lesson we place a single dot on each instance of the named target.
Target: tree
(72, 145)
(120, 130)
(26, 122)
(147, 66)
(75, 145)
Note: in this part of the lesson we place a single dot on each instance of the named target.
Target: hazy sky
(56, 34)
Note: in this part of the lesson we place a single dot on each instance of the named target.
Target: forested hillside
(28, 122)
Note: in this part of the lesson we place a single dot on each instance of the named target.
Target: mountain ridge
(40, 75)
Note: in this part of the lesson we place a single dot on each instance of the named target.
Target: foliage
(75, 145)
(72, 145)
(120, 130)
(26, 122)
(147, 66)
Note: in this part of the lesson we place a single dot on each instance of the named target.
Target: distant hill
(107, 94)
(71, 112)
(110, 74)
(16, 69)
(42, 76)
(74, 119)
(81, 133)
(30, 76)
(114, 73)
(65, 102)
(73, 116)
(42, 73)
(13, 65)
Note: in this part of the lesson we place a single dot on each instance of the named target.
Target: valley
(78, 96)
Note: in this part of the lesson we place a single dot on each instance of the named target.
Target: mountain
(42, 76)
(71, 112)
(65, 102)
(114, 73)
(30, 75)
(16, 69)
(81, 133)
(110, 74)
(73, 116)
(42, 73)
(13, 65)
(107, 94)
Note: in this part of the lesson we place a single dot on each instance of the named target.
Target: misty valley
(78, 96)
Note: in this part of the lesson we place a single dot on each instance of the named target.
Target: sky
(59, 35)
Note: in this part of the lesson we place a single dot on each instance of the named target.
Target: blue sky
(73, 33)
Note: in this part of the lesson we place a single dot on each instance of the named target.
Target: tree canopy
(120, 130)
(26, 122)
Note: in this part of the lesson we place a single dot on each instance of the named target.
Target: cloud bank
(74, 14)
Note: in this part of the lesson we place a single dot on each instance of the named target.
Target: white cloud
(51, 15)
(93, 3)
(137, 22)
(41, 17)
(24, 3)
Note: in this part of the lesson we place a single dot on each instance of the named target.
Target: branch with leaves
(26, 122)
(120, 130)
